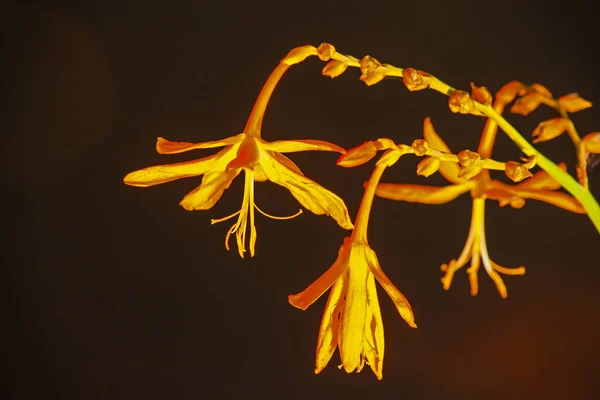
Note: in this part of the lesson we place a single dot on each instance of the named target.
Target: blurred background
(115, 292)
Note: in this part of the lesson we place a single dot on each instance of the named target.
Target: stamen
(508, 271)
(216, 221)
(275, 217)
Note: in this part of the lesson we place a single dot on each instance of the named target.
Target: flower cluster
(352, 320)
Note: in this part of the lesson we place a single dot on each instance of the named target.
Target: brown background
(115, 292)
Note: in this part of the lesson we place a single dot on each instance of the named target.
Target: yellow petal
(158, 174)
(358, 155)
(421, 193)
(310, 194)
(397, 297)
(210, 191)
(304, 299)
(290, 146)
(328, 331)
(374, 343)
(449, 170)
(354, 310)
(163, 146)
(557, 199)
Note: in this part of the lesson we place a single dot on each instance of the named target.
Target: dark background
(115, 292)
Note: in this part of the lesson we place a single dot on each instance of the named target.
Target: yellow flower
(352, 318)
(541, 186)
(260, 160)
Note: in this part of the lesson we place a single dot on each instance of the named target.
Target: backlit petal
(304, 299)
(397, 297)
(328, 332)
(354, 311)
(158, 174)
(163, 146)
(449, 170)
(210, 191)
(421, 193)
(310, 194)
(374, 344)
(289, 146)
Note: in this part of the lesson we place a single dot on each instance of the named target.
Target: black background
(115, 292)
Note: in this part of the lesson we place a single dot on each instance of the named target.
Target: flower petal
(397, 297)
(304, 299)
(290, 146)
(353, 313)
(421, 193)
(557, 199)
(210, 191)
(158, 174)
(374, 344)
(310, 194)
(328, 331)
(163, 146)
(449, 170)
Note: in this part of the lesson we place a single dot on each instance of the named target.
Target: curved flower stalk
(260, 160)
(476, 180)
(352, 318)
(372, 72)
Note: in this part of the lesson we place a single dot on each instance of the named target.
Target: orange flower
(352, 318)
(541, 186)
(260, 160)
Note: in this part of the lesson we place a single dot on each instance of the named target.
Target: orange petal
(374, 348)
(304, 299)
(158, 174)
(358, 155)
(163, 146)
(449, 170)
(509, 91)
(421, 193)
(289, 146)
(210, 191)
(591, 142)
(573, 102)
(397, 297)
(549, 129)
(528, 103)
(328, 331)
(310, 194)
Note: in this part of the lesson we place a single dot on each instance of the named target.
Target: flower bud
(334, 68)
(420, 147)
(369, 67)
(481, 94)
(549, 129)
(467, 158)
(358, 155)
(469, 172)
(591, 141)
(299, 54)
(516, 172)
(461, 102)
(428, 166)
(573, 102)
(415, 80)
(325, 51)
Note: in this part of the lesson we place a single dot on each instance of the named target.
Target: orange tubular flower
(541, 186)
(260, 160)
(352, 318)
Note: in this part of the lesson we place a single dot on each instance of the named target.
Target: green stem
(584, 196)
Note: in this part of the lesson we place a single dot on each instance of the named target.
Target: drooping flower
(352, 318)
(260, 160)
(541, 186)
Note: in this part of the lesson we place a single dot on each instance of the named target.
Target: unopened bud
(369, 67)
(325, 51)
(428, 166)
(420, 147)
(334, 68)
(468, 172)
(516, 172)
(591, 141)
(358, 155)
(481, 94)
(415, 80)
(461, 102)
(467, 158)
